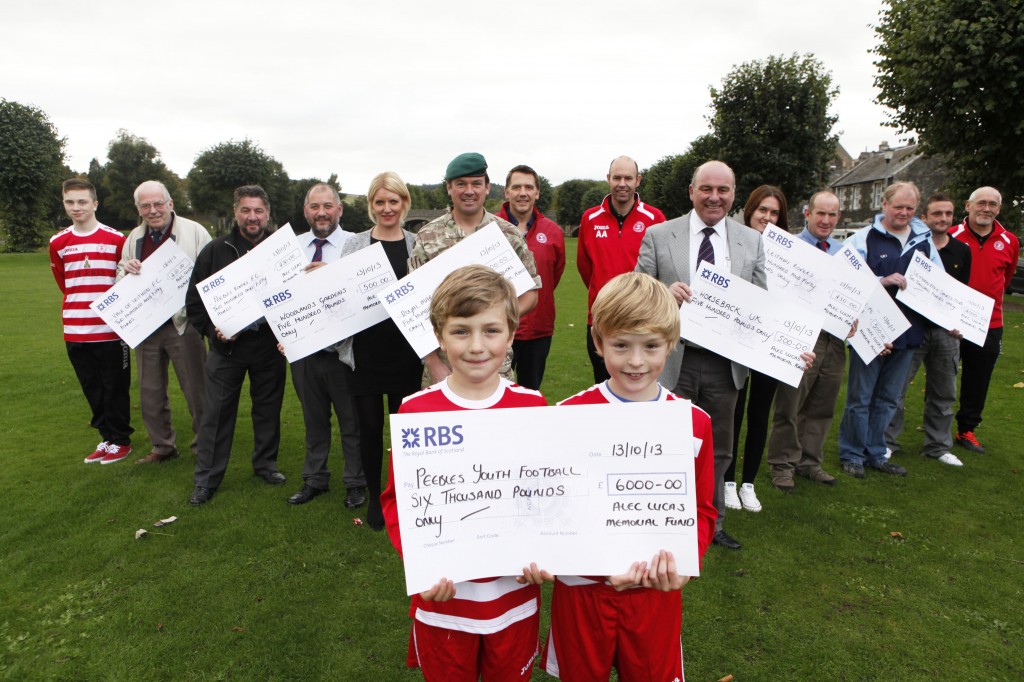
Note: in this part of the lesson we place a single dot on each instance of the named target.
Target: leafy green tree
(952, 71)
(31, 159)
(570, 199)
(666, 184)
(131, 160)
(772, 124)
(547, 194)
(356, 217)
(428, 196)
(219, 170)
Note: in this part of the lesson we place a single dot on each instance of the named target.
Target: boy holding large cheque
(632, 621)
(485, 627)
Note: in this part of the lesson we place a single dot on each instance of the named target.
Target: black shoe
(887, 468)
(272, 477)
(725, 540)
(201, 495)
(356, 497)
(307, 493)
(375, 516)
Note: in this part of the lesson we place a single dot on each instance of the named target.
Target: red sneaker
(966, 439)
(115, 453)
(99, 453)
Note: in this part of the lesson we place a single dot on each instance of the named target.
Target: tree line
(950, 71)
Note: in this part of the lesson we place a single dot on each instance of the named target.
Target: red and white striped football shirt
(85, 266)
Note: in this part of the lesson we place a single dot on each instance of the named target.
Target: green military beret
(469, 164)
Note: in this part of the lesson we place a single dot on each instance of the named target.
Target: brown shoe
(783, 483)
(819, 476)
(156, 457)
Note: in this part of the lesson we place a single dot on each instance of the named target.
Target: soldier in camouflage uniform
(468, 184)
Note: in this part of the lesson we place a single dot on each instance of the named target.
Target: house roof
(874, 167)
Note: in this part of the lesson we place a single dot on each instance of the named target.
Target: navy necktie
(157, 236)
(823, 245)
(318, 255)
(706, 251)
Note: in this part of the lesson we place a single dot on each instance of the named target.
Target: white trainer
(888, 454)
(749, 498)
(950, 459)
(732, 500)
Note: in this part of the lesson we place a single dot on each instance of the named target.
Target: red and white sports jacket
(605, 250)
(85, 266)
(480, 606)
(547, 243)
(992, 264)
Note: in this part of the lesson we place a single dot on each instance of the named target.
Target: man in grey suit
(711, 381)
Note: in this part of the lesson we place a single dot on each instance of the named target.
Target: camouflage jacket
(441, 234)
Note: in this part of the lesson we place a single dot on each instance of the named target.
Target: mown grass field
(249, 588)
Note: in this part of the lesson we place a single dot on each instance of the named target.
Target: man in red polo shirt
(994, 254)
(609, 239)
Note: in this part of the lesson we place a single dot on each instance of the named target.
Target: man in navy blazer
(671, 252)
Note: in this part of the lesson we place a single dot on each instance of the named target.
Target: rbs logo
(213, 285)
(715, 278)
(442, 435)
(277, 298)
(107, 301)
(399, 292)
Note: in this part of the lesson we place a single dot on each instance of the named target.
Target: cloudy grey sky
(360, 87)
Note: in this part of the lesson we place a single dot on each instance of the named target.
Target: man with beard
(940, 351)
(318, 378)
(252, 351)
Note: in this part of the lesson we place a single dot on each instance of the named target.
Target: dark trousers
(705, 378)
(320, 384)
(529, 357)
(104, 370)
(255, 354)
(977, 364)
(596, 361)
(370, 410)
(762, 395)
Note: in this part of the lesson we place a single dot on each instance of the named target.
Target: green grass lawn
(248, 587)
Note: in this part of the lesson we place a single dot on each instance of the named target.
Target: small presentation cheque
(333, 302)
(839, 285)
(232, 295)
(945, 301)
(137, 305)
(748, 325)
(408, 300)
(580, 490)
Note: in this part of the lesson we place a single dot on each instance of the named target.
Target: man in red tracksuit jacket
(545, 240)
(609, 239)
(994, 254)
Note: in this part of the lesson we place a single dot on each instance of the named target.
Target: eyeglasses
(158, 205)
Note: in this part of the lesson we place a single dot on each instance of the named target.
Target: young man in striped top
(84, 258)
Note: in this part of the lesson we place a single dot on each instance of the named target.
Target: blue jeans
(872, 393)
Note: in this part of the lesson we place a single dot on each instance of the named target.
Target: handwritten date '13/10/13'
(628, 449)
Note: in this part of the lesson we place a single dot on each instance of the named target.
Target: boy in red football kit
(631, 621)
(487, 627)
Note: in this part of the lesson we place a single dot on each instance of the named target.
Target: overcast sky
(355, 88)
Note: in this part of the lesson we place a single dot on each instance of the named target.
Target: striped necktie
(706, 251)
(318, 255)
